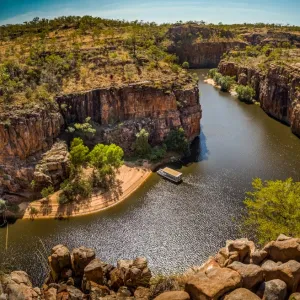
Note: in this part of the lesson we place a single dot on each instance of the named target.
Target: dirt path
(129, 178)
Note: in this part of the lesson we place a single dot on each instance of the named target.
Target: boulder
(81, 257)
(20, 277)
(252, 275)
(288, 272)
(69, 292)
(17, 285)
(295, 296)
(142, 293)
(284, 249)
(59, 259)
(241, 294)
(213, 283)
(243, 247)
(50, 294)
(96, 291)
(116, 279)
(93, 271)
(135, 273)
(173, 295)
(272, 290)
(258, 256)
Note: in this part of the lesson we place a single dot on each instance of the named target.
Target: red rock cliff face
(122, 112)
(200, 46)
(23, 138)
(277, 89)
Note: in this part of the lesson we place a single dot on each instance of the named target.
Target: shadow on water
(199, 152)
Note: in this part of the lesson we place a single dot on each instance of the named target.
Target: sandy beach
(129, 178)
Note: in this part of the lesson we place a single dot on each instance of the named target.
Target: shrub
(75, 190)
(186, 65)
(273, 208)
(212, 73)
(158, 153)
(141, 146)
(46, 192)
(245, 93)
(176, 141)
(225, 83)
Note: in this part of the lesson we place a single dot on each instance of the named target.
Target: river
(176, 226)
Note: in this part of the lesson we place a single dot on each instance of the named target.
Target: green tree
(105, 159)
(245, 93)
(273, 207)
(176, 141)
(78, 152)
(47, 191)
(141, 146)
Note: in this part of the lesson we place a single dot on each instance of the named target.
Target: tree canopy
(273, 207)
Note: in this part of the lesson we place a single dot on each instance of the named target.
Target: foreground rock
(239, 271)
(213, 283)
(241, 294)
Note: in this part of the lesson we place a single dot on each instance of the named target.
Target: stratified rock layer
(277, 89)
(122, 112)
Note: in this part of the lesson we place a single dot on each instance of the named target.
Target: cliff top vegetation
(44, 58)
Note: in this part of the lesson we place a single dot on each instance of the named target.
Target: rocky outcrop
(24, 137)
(200, 46)
(53, 167)
(277, 89)
(271, 37)
(78, 274)
(122, 112)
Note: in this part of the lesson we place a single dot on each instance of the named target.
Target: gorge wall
(202, 47)
(28, 148)
(122, 112)
(277, 89)
(239, 271)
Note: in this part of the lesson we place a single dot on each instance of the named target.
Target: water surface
(176, 226)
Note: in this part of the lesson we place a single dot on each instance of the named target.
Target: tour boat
(170, 174)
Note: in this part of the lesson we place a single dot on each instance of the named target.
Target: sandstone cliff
(120, 113)
(202, 47)
(277, 89)
(24, 137)
(239, 271)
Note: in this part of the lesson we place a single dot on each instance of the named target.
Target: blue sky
(214, 11)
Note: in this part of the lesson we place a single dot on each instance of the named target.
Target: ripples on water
(176, 226)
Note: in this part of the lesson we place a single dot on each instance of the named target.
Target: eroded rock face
(54, 166)
(277, 90)
(23, 138)
(195, 45)
(124, 111)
